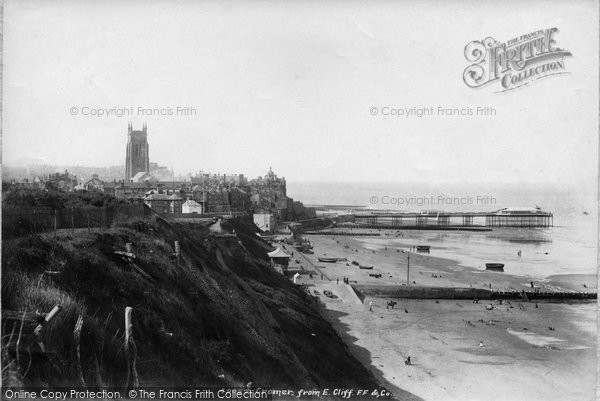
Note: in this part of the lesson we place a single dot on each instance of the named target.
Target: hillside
(221, 316)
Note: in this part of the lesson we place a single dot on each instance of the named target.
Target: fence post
(99, 382)
(76, 337)
(57, 308)
(130, 349)
(38, 329)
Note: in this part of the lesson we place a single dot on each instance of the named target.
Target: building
(265, 192)
(143, 176)
(175, 202)
(280, 260)
(62, 182)
(129, 190)
(264, 221)
(161, 173)
(191, 206)
(137, 158)
(94, 184)
(160, 203)
(239, 200)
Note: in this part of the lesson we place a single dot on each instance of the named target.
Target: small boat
(365, 267)
(498, 267)
(327, 260)
(423, 248)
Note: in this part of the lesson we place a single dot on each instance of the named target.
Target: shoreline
(544, 252)
(425, 269)
(528, 352)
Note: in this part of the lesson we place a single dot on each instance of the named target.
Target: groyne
(419, 292)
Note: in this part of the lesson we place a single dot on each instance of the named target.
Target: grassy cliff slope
(220, 316)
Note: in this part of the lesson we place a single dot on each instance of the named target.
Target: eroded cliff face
(219, 315)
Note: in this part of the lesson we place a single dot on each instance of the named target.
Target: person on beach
(407, 361)
(370, 305)
(338, 280)
(519, 253)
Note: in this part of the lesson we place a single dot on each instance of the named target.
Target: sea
(569, 247)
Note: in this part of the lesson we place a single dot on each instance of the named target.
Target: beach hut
(280, 259)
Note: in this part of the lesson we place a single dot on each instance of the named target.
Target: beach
(460, 350)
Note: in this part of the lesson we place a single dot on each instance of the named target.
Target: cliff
(219, 316)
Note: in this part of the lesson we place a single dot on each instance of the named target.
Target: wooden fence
(18, 222)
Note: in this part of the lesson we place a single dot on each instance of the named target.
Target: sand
(392, 265)
(521, 357)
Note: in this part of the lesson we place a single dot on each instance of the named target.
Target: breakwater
(419, 292)
(337, 233)
(413, 227)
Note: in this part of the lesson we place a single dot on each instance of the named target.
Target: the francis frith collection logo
(516, 62)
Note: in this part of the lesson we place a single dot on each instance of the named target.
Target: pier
(507, 217)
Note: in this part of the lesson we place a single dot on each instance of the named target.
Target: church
(137, 159)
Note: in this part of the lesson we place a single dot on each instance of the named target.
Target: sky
(292, 85)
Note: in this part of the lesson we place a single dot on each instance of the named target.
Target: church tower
(137, 158)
